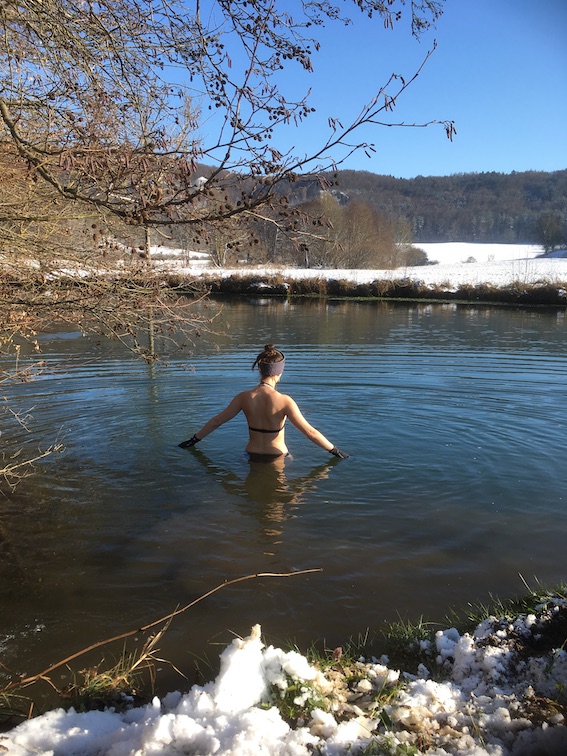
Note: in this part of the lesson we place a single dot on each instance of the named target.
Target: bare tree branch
(25, 681)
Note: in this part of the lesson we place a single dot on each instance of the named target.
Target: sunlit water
(455, 420)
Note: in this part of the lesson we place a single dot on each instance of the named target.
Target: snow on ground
(489, 703)
(459, 263)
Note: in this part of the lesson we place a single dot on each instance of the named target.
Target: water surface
(455, 420)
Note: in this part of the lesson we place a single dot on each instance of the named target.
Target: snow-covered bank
(495, 699)
(458, 264)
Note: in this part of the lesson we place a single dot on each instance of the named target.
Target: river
(454, 417)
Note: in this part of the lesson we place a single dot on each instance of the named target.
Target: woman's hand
(191, 442)
(338, 453)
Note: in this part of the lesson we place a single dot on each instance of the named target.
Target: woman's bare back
(265, 411)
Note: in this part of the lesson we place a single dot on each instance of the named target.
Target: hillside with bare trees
(470, 207)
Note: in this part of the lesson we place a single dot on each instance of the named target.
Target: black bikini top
(263, 430)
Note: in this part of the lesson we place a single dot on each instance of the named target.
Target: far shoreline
(404, 289)
(463, 273)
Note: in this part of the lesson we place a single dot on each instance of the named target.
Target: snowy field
(458, 263)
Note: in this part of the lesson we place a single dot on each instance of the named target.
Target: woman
(266, 411)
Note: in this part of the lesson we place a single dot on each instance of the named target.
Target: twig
(43, 675)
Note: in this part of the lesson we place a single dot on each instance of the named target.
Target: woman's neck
(268, 383)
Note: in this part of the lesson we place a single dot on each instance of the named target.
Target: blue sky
(499, 71)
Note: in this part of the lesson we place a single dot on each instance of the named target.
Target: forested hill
(469, 207)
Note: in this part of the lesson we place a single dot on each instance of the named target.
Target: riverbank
(488, 273)
(499, 689)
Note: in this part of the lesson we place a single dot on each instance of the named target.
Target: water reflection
(267, 493)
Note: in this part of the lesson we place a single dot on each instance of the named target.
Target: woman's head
(270, 362)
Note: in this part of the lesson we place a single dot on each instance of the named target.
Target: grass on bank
(405, 645)
(129, 681)
(403, 641)
(120, 682)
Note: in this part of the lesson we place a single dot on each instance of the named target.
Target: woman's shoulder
(288, 400)
(240, 397)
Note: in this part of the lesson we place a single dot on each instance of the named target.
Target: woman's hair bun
(269, 356)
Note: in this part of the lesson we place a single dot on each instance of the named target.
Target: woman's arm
(297, 419)
(215, 422)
